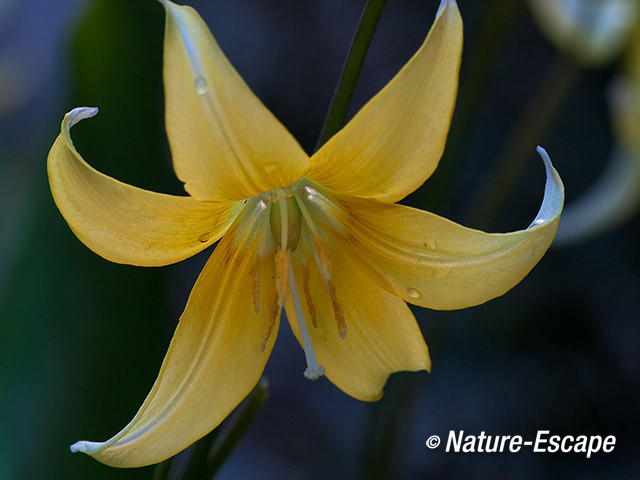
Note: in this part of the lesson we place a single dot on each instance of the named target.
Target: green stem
(358, 51)
(206, 458)
(196, 466)
(391, 417)
(241, 423)
(388, 426)
(556, 86)
(499, 19)
(161, 470)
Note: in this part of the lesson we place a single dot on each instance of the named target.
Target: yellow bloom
(320, 236)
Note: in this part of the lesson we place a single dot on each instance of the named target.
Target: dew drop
(201, 86)
(204, 238)
(262, 205)
(413, 293)
(430, 244)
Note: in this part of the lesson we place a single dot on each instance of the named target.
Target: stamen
(283, 264)
(255, 270)
(274, 310)
(307, 294)
(323, 260)
(306, 215)
(338, 311)
(284, 219)
(318, 248)
(314, 370)
(323, 257)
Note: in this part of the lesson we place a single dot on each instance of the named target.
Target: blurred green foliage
(64, 311)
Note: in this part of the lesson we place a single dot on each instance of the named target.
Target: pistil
(314, 370)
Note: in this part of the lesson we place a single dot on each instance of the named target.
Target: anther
(323, 259)
(307, 295)
(274, 310)
(338, 311)
(283, 263)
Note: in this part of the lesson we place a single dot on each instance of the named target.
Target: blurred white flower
(593, 32)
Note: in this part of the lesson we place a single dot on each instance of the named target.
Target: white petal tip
(443, 4)
(85, 447)
(543, 153)
(81, 113)
(553, 192)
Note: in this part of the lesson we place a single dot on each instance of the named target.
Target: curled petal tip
(543, 153)
(553, 192)
(84, 446)
(443, 4)
(80, 113)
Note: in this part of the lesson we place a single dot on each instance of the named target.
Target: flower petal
(612, 199)
(214, 360)
(592, 31)
(126, 224)
(433, 262)
(615, 196)
(226, 145)
(382, 335)
(394, 143)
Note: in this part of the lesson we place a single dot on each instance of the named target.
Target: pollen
(324, 259)
(282, 275)
(338, 311)
(274, 311)
(307, 295)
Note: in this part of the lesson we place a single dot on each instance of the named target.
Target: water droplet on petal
(204, 238)
(413, 293)
(430, 244)
(262, 205)
(201, 86)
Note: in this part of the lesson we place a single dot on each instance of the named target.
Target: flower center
(294, 232)
(285, 219)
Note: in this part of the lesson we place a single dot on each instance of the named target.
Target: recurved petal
(225, 144)
(433, 262)
(393, 144)
(382, 335)
(215, 358)
(125, 224)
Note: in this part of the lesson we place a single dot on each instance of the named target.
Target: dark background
(81, 339)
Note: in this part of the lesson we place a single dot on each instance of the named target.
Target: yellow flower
(320, 236)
